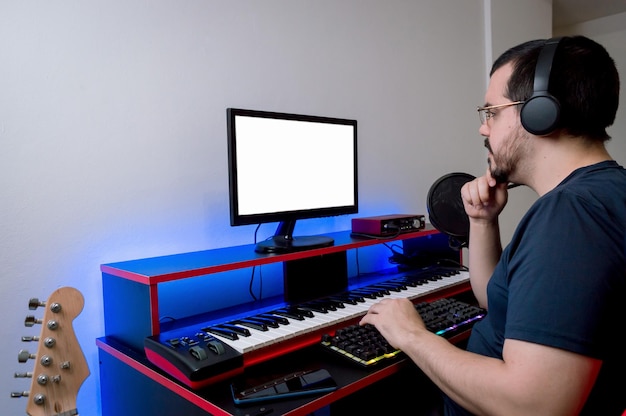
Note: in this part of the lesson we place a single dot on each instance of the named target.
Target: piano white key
(285, 332)
(242, 344)
(261, 338)
(352, 311)
(317, 322)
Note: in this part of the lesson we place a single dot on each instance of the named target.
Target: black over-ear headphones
(541, 112)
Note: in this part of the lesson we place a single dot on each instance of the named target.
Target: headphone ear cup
(540, 114)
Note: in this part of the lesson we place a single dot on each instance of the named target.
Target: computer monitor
(285, 167)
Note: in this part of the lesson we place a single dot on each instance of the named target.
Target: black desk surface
(357, 386)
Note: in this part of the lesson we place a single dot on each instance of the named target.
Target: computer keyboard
(365, 346)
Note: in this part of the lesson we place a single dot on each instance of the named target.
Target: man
(549, 344)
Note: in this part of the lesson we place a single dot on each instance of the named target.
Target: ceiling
(568, 12)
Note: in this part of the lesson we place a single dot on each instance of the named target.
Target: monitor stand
(283, 240)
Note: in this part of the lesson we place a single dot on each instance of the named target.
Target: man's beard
(507, 160)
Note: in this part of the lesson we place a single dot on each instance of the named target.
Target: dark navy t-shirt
(561, 281)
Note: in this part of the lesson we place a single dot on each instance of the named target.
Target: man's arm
(483, 201)
(485, 249)
(531, 379)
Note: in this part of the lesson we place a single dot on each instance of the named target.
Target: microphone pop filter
(445, 206)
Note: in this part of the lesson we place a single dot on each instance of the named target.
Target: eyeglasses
(485, 113)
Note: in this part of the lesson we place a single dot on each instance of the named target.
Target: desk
(130, 384)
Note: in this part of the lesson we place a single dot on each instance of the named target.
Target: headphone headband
(544, 65)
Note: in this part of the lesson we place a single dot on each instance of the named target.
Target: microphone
(445, 207)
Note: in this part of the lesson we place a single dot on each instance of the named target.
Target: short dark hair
(583, 78)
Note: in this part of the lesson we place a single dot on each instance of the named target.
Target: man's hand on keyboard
(394, 318)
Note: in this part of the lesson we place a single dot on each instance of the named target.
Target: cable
(250, 290)
(397, 257)
(454, 263)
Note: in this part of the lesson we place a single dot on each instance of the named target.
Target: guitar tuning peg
(48, 341)
(28, 338)
(28, 374)
(34, 303)
(38, 399)
(24, 356)
(31, 320)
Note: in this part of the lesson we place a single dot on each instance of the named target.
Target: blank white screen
(289, 165)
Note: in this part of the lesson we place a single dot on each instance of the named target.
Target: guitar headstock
(60, 366)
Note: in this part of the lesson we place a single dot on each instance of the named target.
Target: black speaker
(540, 114)
(315, 277)
(445, 207)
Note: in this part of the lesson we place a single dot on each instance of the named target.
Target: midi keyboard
(203, 354)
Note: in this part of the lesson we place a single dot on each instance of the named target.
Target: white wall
(609, 31)
(113, 135)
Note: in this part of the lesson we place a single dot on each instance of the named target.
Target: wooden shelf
(162, 269)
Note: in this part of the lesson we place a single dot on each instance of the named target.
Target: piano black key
(289, 313)
(239, 330)
(379, 292)
(407, 282)
(343, 299)
(304, 312)
(419, 277)
(325, 303)
(366, 293)
(383, 289)
(351, 298)
(313, 307)
(272, 323)
(335, 303)
(226, 333)
(280, 319)
(396, 286)
(251, 324)
(416, 280)
(359, 298)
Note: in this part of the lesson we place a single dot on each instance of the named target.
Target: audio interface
(385, 225)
